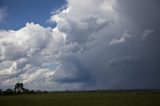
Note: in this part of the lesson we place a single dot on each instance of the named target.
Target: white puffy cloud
(81, 19)
(27, 50)
(94, 45)
(12, 70)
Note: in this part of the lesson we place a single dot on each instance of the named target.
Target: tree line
(19, 89)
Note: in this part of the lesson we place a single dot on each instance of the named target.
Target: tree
(26, 91)
(19, 87)
(1, 91)
(8, 92)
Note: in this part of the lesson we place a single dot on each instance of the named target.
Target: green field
(82, 99)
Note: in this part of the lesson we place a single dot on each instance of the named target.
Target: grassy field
(82, 99)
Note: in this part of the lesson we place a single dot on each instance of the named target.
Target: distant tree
(8, 92)
(45, 91)
(19, 87)
(26, 91)
(0, 91)
(32, 92)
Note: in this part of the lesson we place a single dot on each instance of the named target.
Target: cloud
(146, 33)
(98, 33)
(90, 48)
(10, 71)
(26, 50)
(123, 38)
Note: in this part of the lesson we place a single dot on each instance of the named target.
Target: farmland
(83, 99)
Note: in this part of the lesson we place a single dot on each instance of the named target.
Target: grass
(82, 99)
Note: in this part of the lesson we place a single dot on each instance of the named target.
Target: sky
(19, 12)
(80, 45)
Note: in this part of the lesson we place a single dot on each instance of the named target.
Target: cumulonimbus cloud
(95, 45)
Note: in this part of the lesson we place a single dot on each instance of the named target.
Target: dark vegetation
(20, 96)
(19, 90)
(94, 98)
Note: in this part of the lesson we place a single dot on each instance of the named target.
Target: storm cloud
(97, 44)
